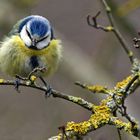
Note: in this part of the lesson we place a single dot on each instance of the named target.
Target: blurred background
(89, 55)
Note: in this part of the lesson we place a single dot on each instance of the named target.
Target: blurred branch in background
(128, 7)
(122, 22)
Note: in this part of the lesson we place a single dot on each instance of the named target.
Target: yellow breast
(15, 56)
(30, 52)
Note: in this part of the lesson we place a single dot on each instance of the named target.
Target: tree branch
(92, 21)
(117, 32)
(55, 93)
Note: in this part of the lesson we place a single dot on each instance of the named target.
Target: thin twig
(33, 72)
(64, 135)
(119, 134)
(123, 107)
(92, 21)
(135, 85)
(125, 93)
(131, 83)
(117, 32)
(127, 116)
(93, 88)
(77, 100)
(118, 130)
(55, 93)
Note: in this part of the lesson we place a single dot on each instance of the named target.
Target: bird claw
(48, 92)
(17, 83)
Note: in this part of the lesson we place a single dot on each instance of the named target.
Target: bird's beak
(34, 42)
(33, 45)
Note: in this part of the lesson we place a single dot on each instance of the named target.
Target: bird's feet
(47, 86)
(48, 92)
(17, 83)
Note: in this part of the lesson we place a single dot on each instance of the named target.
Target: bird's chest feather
(16, 58)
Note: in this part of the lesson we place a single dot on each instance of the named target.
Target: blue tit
(29, 45)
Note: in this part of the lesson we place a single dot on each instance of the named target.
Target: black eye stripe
(43, 38)
(36, 40)
(28, 33)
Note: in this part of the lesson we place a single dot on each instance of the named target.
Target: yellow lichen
(33, 78)
(101, 116)
(130, 53)
(123, 83)
(75, 99)
(109, 28)
(1, 80)
(104, 102)
(97, 89)
(59, 137)
(80, 128)
(126, 126)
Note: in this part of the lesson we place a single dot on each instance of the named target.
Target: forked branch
(92, 21)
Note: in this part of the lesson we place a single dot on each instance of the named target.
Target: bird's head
(36, 32)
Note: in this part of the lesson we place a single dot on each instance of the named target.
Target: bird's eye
(43, 38)
(28, 34)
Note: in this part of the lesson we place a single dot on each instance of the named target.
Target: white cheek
(24, 37)
(44, 43)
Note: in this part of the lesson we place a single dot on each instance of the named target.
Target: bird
(30, 44)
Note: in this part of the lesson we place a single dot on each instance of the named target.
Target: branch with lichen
(93, 88)
(32, 84)
(104, 113)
